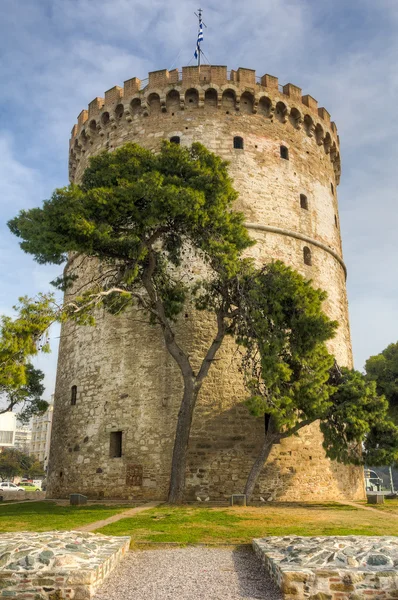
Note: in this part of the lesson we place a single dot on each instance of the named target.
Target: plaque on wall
(134, 475)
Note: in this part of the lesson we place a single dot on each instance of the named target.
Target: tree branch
(212, 351)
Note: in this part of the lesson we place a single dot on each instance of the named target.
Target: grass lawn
(44, 516)
(190, 524)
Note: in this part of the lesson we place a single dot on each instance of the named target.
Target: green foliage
(14, 462)
(383, 369)
(356, 427)
(133, 203)
(23, 337)
(282, 330)
(27, 396)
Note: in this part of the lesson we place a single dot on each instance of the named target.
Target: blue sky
(57, 55)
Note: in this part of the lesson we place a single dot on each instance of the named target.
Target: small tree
(139, 213)
(27, 397)
(15, 463)
(383, 369)
(292, 378)
(22, 338)
(282, 330)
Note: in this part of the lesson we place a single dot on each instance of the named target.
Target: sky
(57, 55)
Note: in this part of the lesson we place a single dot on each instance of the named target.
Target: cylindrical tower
(118, 391)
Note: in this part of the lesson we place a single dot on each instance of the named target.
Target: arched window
(246, 103)
(119, 110)
(264, 106)
(238, 143)
(73, 395)
(211, 98)
(228, 100)
(173, 101)
(175, 139)
(105, 118)
(281, 112)
(135, 106)
(284, 152)
(304, 201)
(307, 256)
(192, 98)
(154, 103)
(93, 126)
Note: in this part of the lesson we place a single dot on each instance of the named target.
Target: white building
(23, 437)
(41, 436)
(8, 427)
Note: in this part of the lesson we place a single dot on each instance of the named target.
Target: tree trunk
(179, 460)
(271, 438)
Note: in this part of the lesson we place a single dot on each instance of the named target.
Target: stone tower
(118, 391)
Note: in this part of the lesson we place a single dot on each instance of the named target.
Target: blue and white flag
(200, 39)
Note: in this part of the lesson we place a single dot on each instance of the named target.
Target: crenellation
(323, 113)
(292, 91)
(131, 87)
(174, 76)
(246, 77)
(82, 118)
(190, 75)
(113, 96)
(158, 78)
(309, 101)
(95, 107)
(269, 81)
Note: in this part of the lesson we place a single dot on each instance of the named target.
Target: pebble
(189, 574)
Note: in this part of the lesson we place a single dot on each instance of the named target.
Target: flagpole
(200, 22)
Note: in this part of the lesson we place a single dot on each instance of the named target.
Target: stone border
(332, 568)
(57, 564)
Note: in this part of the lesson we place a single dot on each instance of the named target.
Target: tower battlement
(236, 92)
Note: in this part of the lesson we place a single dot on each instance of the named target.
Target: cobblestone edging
(57, 565)
(332, 568)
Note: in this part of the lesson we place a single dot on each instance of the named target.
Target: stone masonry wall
(125, 379)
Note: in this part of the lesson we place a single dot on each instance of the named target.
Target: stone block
(375, 498)
(77, 499)
(320, 568)
(58, 564)
(238, 500)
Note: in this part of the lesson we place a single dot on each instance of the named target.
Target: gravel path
(189, 574)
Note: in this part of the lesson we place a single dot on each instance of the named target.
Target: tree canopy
(294, 381)
(383, 369)
(15, 463)
(21, 338)
(27, 398)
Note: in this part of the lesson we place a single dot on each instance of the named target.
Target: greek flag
(200, 39)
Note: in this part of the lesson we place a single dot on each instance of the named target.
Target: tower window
(175, 139)
(304, 201)
(332, 188)
(307, 256)
(284, 152)
(335, 220)
(73, 395)
(238, 143)
(115, 445)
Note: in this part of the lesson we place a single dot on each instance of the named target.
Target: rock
(375, 560)
(4, 558)
(45, 556)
